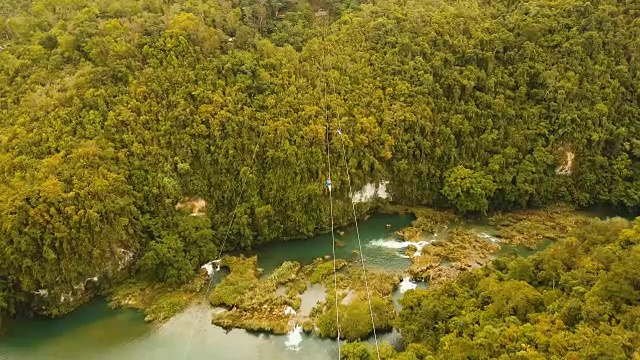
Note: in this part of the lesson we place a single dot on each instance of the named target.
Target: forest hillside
(120, 117)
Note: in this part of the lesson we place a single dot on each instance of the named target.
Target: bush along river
(403, 251)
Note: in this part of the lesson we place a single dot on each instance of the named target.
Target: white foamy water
(294, 338)
(419, 247)
(493, 239)
(407, 284)
(391, 244)
(209, 267)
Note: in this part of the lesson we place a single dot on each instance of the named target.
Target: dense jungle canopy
(113, 111)
(577, 300)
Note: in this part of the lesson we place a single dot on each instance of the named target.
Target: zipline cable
(333, 238)
(333, 249)
(355, 220)
(226, 236)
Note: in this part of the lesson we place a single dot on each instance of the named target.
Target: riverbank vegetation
(442, 260)
(159, 302)
(529, 228)
(353, 303)
(113, 113)
(427, 222)
(256, 304)
(443, 248)
(355, 318)
(578, 299)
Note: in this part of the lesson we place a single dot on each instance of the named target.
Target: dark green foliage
(468, 190)
(165, 261)
(112, 112)
(174, 254)
(49, 42)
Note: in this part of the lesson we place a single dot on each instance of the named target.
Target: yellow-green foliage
(530, 227)
(257, 307)
(255, 304)
(321, 271)
(112, 111)
(308, 326)
(363, 351)
(285, 272)
(303, 278)
(427, 220)
(381, 283)
(355, 318)
(264, 314)
(242, 278)
(277, 324)
(577, 299)
(158, 301)
(296, 287)
(462, 248)
(556, 304)
(166, 307)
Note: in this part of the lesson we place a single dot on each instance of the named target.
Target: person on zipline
(327, 184)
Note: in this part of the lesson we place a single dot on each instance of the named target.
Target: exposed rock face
(566, 168)
(58, 301)
(196, 206)
(410, 233)
(370, 192)
(423, 264)
(124, 258)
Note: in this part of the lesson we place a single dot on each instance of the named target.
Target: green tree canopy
(113, 111)
(468, 190)
(514, 311)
